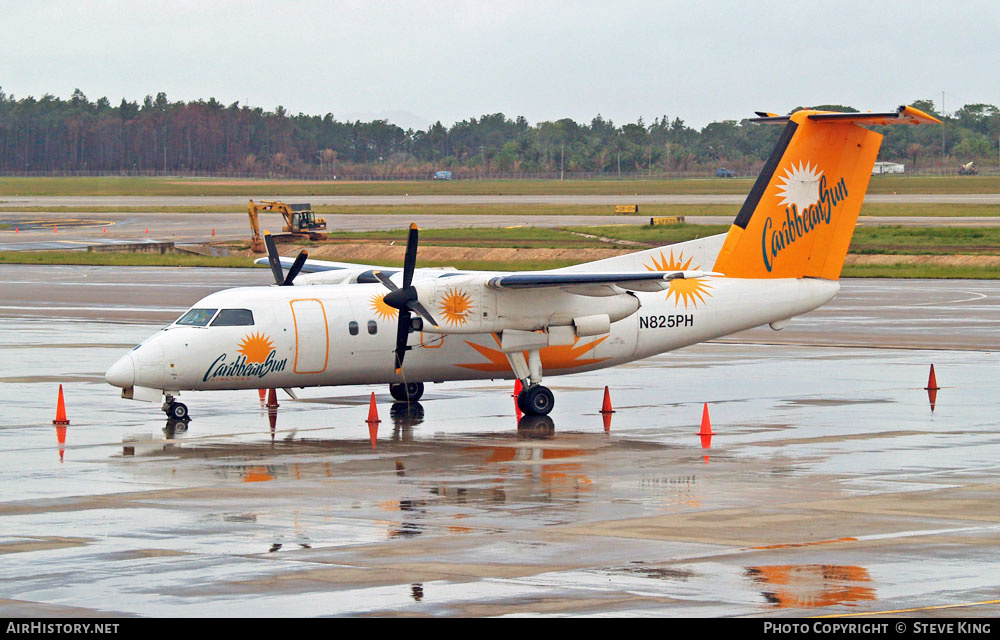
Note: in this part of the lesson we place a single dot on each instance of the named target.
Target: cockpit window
(233, 318)
(197, 317)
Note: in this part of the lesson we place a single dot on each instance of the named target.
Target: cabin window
(233, 318)
(372, 327)
(352, 326)
(197, 317)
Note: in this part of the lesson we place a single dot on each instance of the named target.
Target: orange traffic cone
(518, 387)
(213, 231)
(272, 399)
(55, 228)
(17, 229)
(932, 384)
(61, 438)
(263, 395)
(373, 421)
(60, 410)
(105, 230)
(706, 424)
(147, 231)
(606, 407)
(372, 411)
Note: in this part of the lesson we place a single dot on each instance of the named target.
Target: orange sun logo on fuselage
(456, 307)
(555, 357)
(691, 290)
(381, 309)
(256, 347)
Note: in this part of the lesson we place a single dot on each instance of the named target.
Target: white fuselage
(325, 335)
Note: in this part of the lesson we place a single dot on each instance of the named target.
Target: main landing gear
(536, 400)
(409, 392)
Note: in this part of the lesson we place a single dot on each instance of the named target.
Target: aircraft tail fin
(800, 214)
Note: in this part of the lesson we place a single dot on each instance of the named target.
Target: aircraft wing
(637, 281)
(317, 266)
(327, 272)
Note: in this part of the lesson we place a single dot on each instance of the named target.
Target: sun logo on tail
(256, 347)
(693, 290)
(456, 307)
(381, 309)
(799, 186)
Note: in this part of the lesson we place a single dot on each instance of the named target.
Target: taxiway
(830, 486)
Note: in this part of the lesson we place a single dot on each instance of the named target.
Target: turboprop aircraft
(345, 324)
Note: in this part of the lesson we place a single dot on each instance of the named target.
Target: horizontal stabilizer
(902, 115)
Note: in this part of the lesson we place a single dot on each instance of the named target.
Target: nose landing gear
(176, 411)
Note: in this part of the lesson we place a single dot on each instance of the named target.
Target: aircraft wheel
(536, 400)
(410, 392)
(177, 411)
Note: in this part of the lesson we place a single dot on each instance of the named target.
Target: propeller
(272, 258)
(405, 299)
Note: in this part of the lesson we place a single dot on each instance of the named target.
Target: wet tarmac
(830, 485)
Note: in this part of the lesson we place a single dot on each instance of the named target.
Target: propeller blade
(410, 261)
(384, 279)
(402, 334)
(296, 267)
(405, 298)
(272, 258)
(422, 310)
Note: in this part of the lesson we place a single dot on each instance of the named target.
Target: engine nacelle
(467, 305)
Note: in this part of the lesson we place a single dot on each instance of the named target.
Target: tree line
(76, 135)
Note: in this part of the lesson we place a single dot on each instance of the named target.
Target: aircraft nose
(122, 373)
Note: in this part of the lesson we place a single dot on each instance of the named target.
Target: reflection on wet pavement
(826, 485)
(811, 586)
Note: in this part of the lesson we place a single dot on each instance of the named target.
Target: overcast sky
(421, 61)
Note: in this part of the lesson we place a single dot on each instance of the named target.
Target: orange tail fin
(800, 215)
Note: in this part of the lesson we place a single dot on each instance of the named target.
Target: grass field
(867, 240)
(646, 210)
(888, 241)
(101, 258)
(134, 186)
(920, 271)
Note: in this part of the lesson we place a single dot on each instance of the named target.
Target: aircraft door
(312, 336)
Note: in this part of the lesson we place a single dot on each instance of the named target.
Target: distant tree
(973, 146)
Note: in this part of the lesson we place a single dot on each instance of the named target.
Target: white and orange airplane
(346, 324)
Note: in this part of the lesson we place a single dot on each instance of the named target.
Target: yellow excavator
(300, 222)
